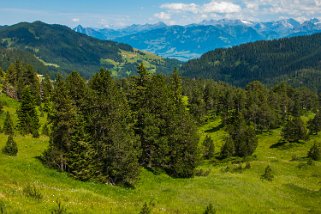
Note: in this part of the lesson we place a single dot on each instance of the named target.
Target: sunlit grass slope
(295, 188)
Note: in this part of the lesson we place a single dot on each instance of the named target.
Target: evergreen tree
(228, 148)
(46, 91)
(63, 121)
(28, 121)
(1, 107)
(11, 147)
(8, 125)
(243, 136)
(45, 129)
(209, 148)
(294, 130)
(315, 152)
(77, 89)
(111, 130)
(314, 125)
(183, 136)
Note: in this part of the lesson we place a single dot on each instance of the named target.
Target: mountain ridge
(62, 49)
(165, 44)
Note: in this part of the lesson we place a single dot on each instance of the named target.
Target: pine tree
(46, 92)
(28, 121)
(8, 125)
(77, 89)
(294, 130)
(11, 147)
(209, 148)
(228, 148)
(183, 136)
(315, 152)
(63, 121)
(111, 130)
(314, 125)
(45, 129)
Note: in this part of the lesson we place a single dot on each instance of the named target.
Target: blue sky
(119, 13)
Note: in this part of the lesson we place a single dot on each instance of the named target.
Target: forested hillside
(295, 60)
(59, 48)
(148, 131)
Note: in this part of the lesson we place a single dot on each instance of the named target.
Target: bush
(32, 192)
(146, 209)
(3, 209)
(267, 174)
(315, 152)
(10, 147)
(202, 173)
(59, 209)
(210, 209)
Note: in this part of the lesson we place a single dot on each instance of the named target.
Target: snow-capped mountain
(186, 42)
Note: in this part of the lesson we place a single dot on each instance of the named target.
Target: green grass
(293, 190)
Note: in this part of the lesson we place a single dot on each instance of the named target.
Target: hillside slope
(295, 188)
(60, 48)
(293, 60)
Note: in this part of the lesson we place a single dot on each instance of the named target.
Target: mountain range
(59, 48)
(191, 41)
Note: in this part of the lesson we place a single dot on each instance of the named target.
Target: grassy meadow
(296, 187)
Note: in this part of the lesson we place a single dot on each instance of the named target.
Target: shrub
(210, 209)
(146, 209)
(248, 165)
(32, 192)
(203, 173)
(267, 174)
(10, 147)
(59, 209)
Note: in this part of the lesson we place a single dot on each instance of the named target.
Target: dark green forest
(292, 60)
(104, 129)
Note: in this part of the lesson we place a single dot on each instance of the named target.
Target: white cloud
(163, 16)
(75, 20)
(221, 7)
(181, 7)
(251, 10)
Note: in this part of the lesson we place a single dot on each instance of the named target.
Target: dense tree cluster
(104, 132)
(105, 129)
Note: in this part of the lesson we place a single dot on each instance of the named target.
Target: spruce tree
(63, 121)
(11, 147)
(183, 136)
(8, 127)
(28, 121)
(209, 148)
(228, 148)
(294, 130)
(315, 152)
(314, 125)
(46, 89)
(111, 130)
